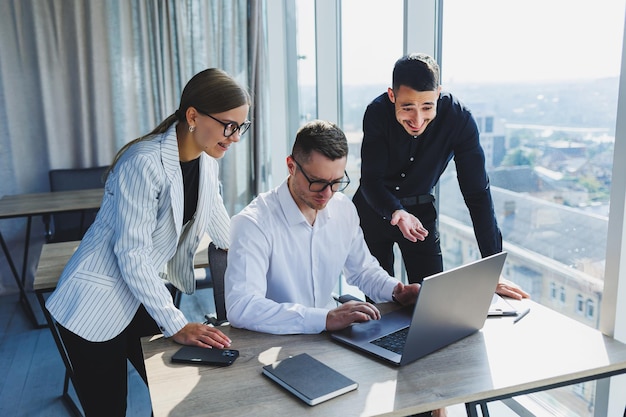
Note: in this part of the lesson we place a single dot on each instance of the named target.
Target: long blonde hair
(211, 90)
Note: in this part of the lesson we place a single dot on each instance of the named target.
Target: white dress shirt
(138, 239)
(282, 271)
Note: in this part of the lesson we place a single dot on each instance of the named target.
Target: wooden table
(542, 351)
(38, 204)
(54, 256)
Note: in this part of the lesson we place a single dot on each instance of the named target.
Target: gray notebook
(451, 305)
(309, 379)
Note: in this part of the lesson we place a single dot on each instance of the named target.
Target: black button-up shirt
(395, 164)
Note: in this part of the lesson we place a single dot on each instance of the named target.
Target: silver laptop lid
(452, 305)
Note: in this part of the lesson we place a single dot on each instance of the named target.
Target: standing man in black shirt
(410, 133)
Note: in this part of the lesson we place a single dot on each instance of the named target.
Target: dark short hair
(321, 136)
(417, 71)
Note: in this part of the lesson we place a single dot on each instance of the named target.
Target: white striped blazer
(136, 239)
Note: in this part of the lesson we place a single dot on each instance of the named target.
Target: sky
(484, 40)
(532, 39)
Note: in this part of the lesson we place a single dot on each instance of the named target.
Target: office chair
(63, 227)
(214, 278)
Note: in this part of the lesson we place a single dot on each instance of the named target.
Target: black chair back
(63, 227)
(217, 265)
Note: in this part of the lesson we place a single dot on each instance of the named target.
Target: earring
(191, 129)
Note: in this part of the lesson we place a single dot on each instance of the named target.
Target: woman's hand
(202, 335)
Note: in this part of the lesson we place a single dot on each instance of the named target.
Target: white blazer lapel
(171, 164)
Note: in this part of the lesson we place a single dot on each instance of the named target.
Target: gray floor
(31, 370)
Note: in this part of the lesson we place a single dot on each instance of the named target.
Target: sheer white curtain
(78, 79)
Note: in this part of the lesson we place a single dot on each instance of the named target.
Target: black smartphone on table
(205, 356)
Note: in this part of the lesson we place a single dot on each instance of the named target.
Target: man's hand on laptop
(510, 289)
(351, 312)
(405, 294)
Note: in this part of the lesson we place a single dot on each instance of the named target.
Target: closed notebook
(309, 379)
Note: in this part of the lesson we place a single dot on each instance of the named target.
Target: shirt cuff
(315, 320)
(174, 326)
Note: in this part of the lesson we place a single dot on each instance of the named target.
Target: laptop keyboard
(393, 341)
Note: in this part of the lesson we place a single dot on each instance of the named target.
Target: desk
(30, 205)
(541, 351)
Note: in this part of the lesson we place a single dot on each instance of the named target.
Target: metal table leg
(472, 409)
(23, 297)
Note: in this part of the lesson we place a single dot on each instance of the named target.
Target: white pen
(521, 315)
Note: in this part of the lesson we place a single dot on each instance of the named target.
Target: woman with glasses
(290, 245)
(161, 196)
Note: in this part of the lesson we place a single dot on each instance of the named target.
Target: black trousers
(100, 368)
(421, 259)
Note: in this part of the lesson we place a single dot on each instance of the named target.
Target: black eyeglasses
(231, 127)
(318, 186)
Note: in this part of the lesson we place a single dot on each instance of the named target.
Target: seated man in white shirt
(290, 245)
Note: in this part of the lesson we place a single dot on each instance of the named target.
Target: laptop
(451, 305)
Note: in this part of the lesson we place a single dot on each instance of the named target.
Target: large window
(542, 80)
(371, 40)
(546, 103)
(549, 90)
(307, 74)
